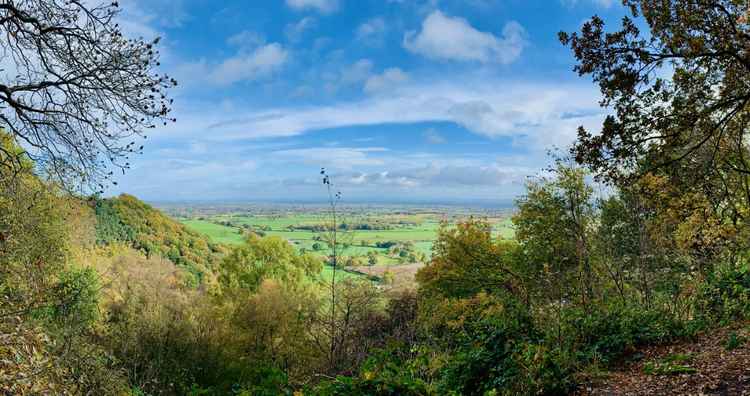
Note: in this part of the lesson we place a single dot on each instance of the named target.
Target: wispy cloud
(390, 78)
(335, 157)
(433, 174)
(323, 6)
(433, 137)
(147, 19)
(295, 31)
(538, 114)
(260, 62)
(246, 39)
(248, 64)
(372, 31)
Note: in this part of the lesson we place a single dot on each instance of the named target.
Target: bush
(724, 296)
(481, 336)
(606, 333)
(384, 374)
(75, 301)
(545, 371)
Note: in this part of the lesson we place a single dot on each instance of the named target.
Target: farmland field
(373, 239)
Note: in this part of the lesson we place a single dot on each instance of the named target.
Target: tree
(274, 325)
(338, 336)
(372, 258)
(553, 224)
(259, 259)
(350, 304)
(697, 119)
(47, 305)
(79, 88)
(466, 262)
(680, 99)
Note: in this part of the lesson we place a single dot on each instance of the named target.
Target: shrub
(606, 333)
(384, 374)
(481, 336)
(724, 296)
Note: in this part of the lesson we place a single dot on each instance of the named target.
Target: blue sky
(401, 100)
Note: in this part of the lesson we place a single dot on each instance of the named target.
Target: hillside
(126, 219)
(328, 153)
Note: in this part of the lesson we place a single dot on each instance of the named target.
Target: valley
(387, 243)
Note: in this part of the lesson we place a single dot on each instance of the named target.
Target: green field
(414, 230)
(217, 232)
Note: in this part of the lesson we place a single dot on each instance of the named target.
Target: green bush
(606, 333)
(74, 301)
(384, 374)
(724, 296)
(488, 333)
(545, 371)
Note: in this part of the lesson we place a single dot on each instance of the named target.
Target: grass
(420, 229)
(422, 233)
(217, 233)
(504, 229)
(327, 274)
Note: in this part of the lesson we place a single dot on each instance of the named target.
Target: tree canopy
(74, 89)
(679, 92)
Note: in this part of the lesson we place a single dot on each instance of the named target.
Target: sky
(399, 100)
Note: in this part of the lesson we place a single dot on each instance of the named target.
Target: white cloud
(538, 115)
(323, 6)
(357, 72)
(533, 116)
(451, 38)
(253, 60)
(140, 18)
(178, 170)
(436, 174)
(347, 76)
(433, 137)
(389, 78)
(334, 157)
(361, 74)
(372, 31)
(430, 174)
(246, 39)
(250, 65)
(295, 31)
(136, 21)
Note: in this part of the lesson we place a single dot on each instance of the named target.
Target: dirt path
(705, 366)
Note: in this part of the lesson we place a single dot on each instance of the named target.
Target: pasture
(371, 240)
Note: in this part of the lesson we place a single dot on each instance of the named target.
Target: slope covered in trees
(125, 219)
